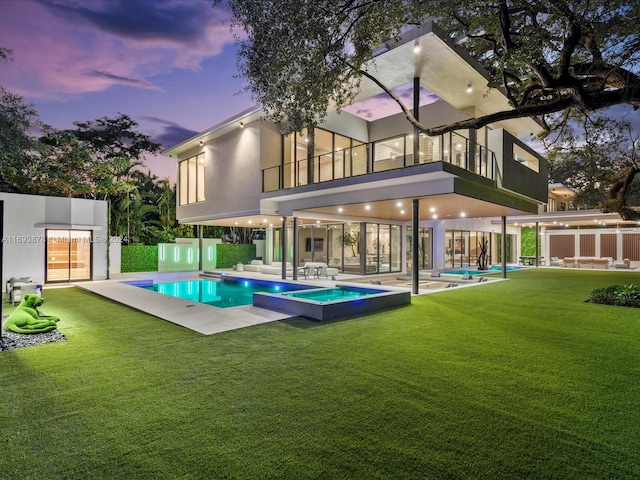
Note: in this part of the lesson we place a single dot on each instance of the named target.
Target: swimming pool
(491, 269)
(224, 293)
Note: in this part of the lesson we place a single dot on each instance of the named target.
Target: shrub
(622, 295)
(229, 255)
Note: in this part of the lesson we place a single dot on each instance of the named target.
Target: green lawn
(517, 379)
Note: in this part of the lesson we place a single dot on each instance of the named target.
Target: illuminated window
(191, 180)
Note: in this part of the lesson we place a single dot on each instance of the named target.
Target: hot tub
(329, 303)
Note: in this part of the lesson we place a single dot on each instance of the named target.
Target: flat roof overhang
(444, 69)
(444, 192)
(572, 218)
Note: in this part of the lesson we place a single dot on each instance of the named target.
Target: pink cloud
(61, 48)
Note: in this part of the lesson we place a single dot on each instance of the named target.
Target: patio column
(283, 242)
(295, 248)
(537, 244)
(415, 224)
(200, 247)
(503, 246)
(416, 114)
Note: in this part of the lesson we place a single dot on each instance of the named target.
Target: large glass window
(333, 156)
(191, 180)
(68, 255)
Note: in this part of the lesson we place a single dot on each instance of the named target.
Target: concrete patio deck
(206, 319)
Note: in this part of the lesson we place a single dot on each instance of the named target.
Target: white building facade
(365, 193)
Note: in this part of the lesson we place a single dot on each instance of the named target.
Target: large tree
(299, 58)
(598, 158)
(19, 149)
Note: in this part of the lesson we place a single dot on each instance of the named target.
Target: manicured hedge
(139, 258)
(228, 255)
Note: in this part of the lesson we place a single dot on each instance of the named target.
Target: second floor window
(191, 180)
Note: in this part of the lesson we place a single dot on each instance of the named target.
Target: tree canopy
(548, 56)
(599, 159)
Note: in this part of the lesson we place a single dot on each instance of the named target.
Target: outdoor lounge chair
(556, 262)
(626, 263)
(254, 266)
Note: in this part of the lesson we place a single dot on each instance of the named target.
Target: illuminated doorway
(68, 255)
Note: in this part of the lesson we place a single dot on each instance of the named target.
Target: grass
(517, 379)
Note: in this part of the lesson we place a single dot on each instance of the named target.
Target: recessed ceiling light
(264, 220)
(416, 47)
(317, 221)
(250, 222)
(463, 214)
(401, 212)
(367, 207)
(399, 204)
(432, 209)
(236, 223)
(469, 88)
(435, 217)
(340, 209)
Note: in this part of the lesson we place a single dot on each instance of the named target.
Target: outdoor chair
(626, 263)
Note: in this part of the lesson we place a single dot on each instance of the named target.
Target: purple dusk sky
(169, 64)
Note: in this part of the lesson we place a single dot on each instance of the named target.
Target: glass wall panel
(334, 245)
(351, 248)
(199, 180)
(372, 248)
(464, 249)
(395, 248)
(191, 195)
(183, 185)
(389, 154)
(425, 248)
(448, 241)
(384, 248)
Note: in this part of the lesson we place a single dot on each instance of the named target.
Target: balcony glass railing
(389, 154)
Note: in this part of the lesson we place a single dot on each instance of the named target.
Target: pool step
(209, 274)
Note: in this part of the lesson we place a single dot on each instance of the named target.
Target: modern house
(53, 239)
(363, 192)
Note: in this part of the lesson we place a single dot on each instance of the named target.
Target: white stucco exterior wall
(25, 220)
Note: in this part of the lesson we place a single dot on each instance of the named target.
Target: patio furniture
(556, 262)
(584, 262)
(303, 271)
(332, 272)
(254, 266)
(626, 263)
(17, 287)
(276, 268)
(569, 262)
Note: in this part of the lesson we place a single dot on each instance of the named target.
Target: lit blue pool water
(220, 293)
(331, 294)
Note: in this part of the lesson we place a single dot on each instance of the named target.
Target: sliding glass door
(68, 255)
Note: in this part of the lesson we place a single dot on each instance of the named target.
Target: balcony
(388, 154)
